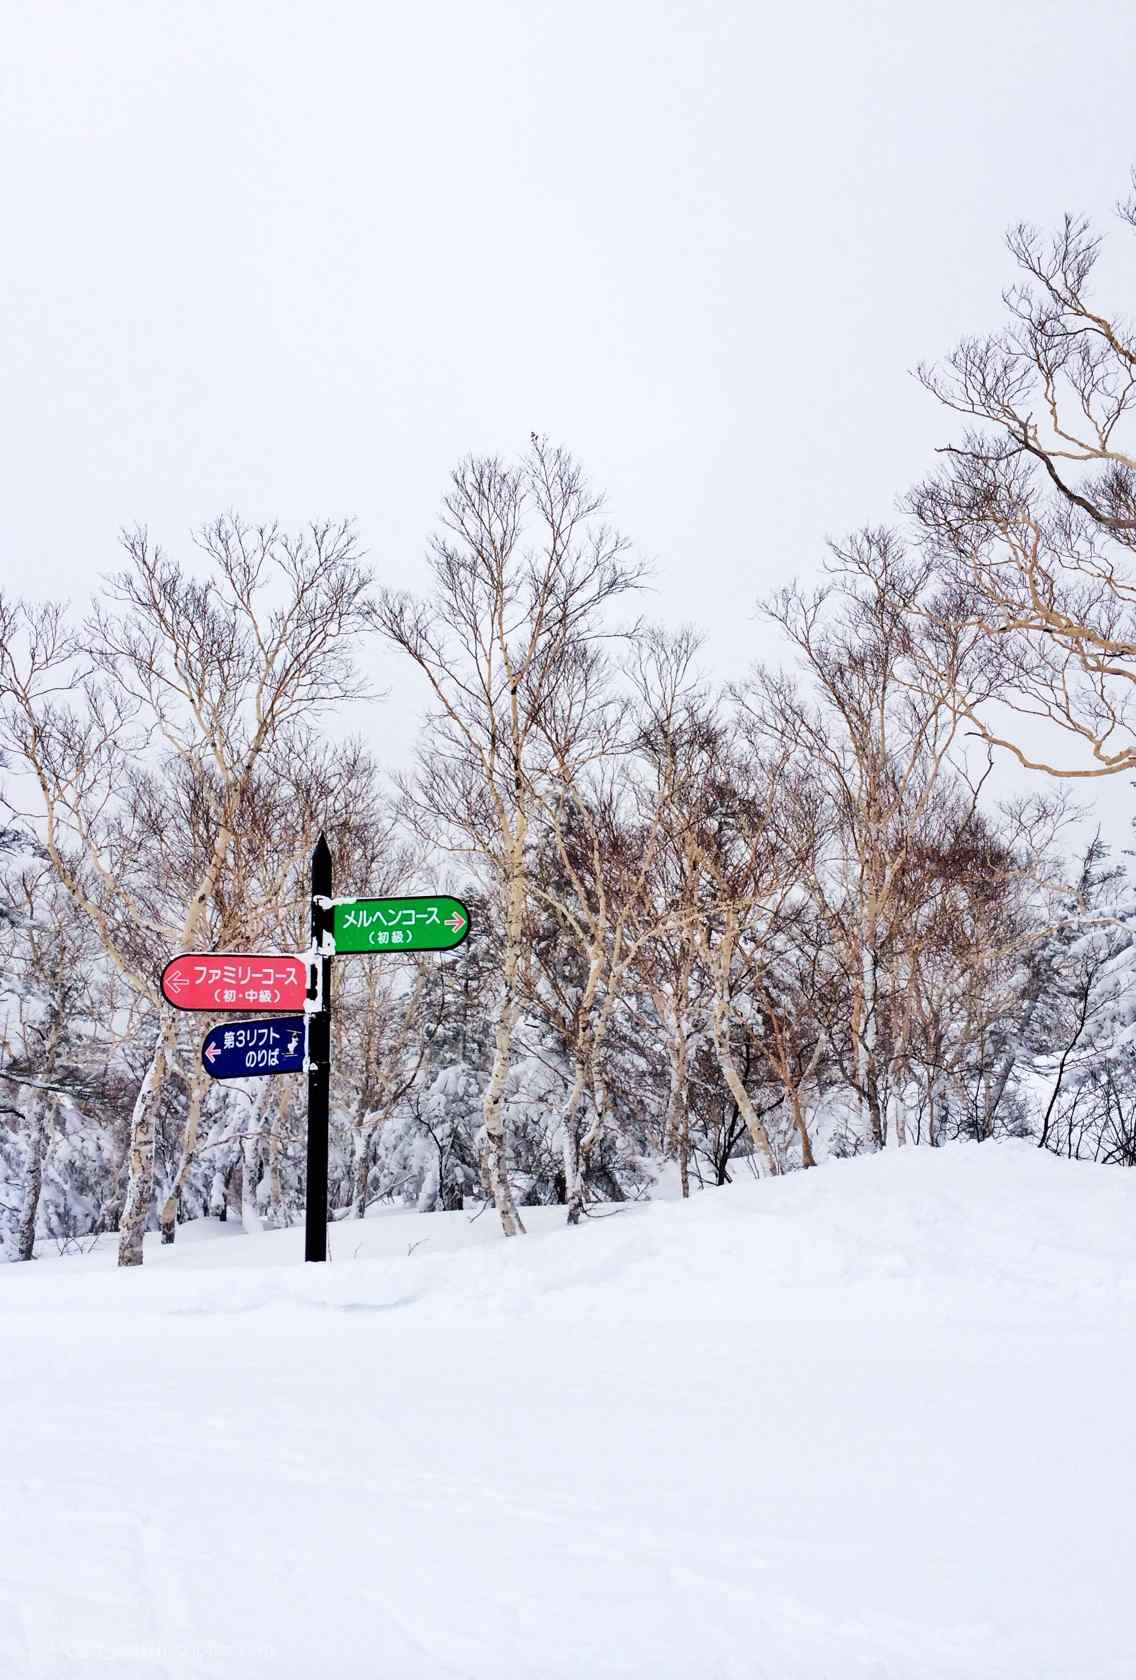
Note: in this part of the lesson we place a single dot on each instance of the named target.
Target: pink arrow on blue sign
(250, 1049)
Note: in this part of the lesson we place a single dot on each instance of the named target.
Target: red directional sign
(219, 980)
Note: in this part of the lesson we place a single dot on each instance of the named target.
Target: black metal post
(319, 1059)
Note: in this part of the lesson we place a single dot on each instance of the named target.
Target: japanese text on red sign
(249, 982)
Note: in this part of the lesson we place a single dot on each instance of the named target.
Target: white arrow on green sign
(398, 924)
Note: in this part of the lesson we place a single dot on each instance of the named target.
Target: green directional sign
(398, 924)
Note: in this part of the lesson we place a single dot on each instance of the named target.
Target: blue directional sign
(248, 1049)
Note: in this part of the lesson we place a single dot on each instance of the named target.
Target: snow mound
(869, 1420)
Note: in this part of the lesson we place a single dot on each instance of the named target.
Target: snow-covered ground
(871, 1421)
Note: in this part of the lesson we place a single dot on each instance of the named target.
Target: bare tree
(303, 786)
(47, 984)
(680, 739)
(607, 813)
(209, 672)
(876, 743)
(792, 1039)
(523, 570)
(389, 1036)
(754, 838)
(1034, 511)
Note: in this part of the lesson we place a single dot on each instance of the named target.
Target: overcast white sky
(295, 259)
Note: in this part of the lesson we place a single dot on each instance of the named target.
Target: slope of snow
(874, 1420)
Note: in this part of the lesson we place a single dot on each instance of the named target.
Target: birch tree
(876, 729)
(389, 1035)
(680, 737)
(791, 1038)
(755, 838)
(1033, 511)
(523, 570)
(207, 670)
(47, 1011)
(615, 780)
(302, 786)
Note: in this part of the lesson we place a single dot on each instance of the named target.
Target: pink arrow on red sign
(220, 980)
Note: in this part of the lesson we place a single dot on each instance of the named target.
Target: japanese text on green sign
(399, 924)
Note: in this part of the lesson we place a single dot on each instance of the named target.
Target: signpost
(318, 1009)
(241, 1049)
(301, 1042)
(398, 924)
(235, 980)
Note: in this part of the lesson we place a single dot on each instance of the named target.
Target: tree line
(719, 929)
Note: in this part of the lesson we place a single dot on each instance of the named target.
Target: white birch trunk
(167, 1219)
(570, 1143)
(866, 1042)
(495, 1164)
(251, 1145)
(797, 1114)
(678, 1107)
(251, 1220)
(493, 1110)
(276, 1216)
(719, 1032)
(895, 1133)
(34, 1157)
(587, 1143)
(140, 1156)
(932, 1098)
(360, 1164)
(589, 1040)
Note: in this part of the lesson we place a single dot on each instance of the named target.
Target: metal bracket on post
(318, 1011)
